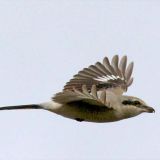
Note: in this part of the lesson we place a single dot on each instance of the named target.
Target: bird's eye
(137, 103)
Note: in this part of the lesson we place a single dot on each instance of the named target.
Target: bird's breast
(88, 113)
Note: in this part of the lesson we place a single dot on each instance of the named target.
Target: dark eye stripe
(129, 102)
(126, 102)
(137, 103)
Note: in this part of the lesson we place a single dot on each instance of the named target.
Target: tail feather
(28, 106)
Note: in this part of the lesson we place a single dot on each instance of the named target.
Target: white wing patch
(107, 78)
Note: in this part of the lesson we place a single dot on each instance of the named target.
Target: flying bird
(95, 94)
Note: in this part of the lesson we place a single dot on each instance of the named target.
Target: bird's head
(134, 106)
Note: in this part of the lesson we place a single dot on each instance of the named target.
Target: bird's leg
(79, 119)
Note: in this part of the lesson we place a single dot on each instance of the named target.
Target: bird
(96, 94)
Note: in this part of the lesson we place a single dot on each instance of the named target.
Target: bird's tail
(28, 106)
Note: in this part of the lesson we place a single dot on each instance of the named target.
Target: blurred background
(43, 44)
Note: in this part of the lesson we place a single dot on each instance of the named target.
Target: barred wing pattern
(114, 74)
(91, 98)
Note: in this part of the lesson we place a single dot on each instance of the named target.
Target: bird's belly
(87, 114)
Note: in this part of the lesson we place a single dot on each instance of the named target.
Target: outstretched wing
(90, 98)
(115, 76)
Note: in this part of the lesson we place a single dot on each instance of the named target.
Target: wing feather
(97, 70)
(94, 91)
(104, 75)
(103, 96)
(102, 68)
(108, 66)
(114, 63)
(130, 81)
(122, 65)
(92, 98)
(129, 71)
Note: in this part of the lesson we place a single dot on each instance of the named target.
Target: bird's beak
(148, 109)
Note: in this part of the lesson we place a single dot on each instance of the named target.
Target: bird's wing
(91, 98)
(114, 76)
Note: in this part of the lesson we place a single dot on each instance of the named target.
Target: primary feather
(104, 75)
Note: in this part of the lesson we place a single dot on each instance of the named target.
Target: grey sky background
(43, 44)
